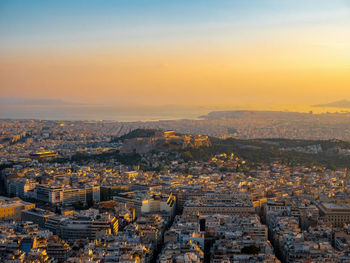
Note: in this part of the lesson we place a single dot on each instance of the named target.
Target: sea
(101, 112)
(137, 113)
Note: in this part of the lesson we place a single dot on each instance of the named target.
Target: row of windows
(339, 217)
(7, 210)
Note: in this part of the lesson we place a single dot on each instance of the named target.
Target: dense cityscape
(186, 131)
(92, 192)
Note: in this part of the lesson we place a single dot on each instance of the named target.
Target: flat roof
(336, 206)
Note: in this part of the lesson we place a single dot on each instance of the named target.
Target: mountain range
(8, 101)
(336, 104)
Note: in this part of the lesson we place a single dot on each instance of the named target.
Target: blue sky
(63, 23)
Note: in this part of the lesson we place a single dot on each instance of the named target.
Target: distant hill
(217, 115)
(336, 104)
(326, 153)
(329, 153)
(138, 133)
(8, 101)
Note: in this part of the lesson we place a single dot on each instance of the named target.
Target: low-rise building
(11, 208)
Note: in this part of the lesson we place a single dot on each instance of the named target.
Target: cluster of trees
(138, 133)
(83, 158)
(263, 151)
(253, 151)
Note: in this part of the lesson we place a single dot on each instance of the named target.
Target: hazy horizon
(138, 112)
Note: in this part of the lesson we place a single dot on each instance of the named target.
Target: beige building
(337, 214)
(224, 204)
(159, 204)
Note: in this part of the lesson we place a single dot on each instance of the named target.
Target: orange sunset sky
(176, 52)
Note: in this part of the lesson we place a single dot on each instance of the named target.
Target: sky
(183, 52)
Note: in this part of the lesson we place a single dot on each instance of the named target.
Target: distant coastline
(336, 104)
(51, 109)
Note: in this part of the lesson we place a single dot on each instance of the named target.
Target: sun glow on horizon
(267, 51)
